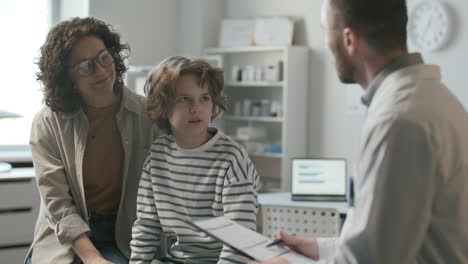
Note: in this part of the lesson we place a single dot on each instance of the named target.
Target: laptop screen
(319, 177)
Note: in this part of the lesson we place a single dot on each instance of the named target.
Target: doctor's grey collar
(397, 64)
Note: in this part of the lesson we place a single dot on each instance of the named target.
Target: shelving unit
(254, 84)
(268, 155)
(254, 119)
(278, 136)
(248, 49)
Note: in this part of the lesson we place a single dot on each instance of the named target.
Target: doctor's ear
(351, 40)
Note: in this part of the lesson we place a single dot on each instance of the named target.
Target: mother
(88, 146)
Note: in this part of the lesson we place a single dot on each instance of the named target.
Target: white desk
(278, 212)
(284, 198)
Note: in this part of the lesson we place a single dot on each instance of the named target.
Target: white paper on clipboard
(246, 241)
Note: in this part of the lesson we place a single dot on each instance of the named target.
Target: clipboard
(246, 241)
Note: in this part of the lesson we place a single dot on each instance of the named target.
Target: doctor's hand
(302, 245)
(277, 260)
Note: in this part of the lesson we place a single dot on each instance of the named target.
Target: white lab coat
(411, 202)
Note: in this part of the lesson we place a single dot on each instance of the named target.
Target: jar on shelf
(235, 73)
(238, 108)
(259, 74)
(247, 107)
(276, 109)
(257, 108)
(265, 107)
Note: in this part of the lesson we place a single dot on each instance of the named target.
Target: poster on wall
(236, 33)
(273, 31)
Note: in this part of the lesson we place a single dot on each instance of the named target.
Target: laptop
(318, 179)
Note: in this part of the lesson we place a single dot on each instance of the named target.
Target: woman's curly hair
(59, 91)
(160, 87)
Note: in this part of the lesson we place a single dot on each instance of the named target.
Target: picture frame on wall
(274, 31)
(237, 32)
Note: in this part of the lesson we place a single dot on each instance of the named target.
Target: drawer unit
(13, 255)
(18, 193)
(17, 228)
(19, 207)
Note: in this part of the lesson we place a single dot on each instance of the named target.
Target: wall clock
(429, 25)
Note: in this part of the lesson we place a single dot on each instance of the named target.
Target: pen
(275, 243)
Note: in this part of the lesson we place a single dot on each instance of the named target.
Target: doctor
(412, 180)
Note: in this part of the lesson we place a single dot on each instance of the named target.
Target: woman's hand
(85, 249)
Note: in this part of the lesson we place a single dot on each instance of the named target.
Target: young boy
(193, 172)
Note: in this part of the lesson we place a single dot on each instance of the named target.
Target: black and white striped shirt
(177, 185)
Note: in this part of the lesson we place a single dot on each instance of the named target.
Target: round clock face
(429, 25)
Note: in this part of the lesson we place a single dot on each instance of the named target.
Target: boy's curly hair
(160, 87)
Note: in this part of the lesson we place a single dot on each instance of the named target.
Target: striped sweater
(178, 185)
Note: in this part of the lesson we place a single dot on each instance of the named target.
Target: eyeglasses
(88, 66)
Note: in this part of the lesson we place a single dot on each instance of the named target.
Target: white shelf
(267, 155)
(255, 119)
(236, 138)
(290, 94)
(19, 207)
(259, 153)
(143, 68)
(245, 49)
(255, 84)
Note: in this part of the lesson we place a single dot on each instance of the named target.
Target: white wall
(454, 56)
(332, 132)
(198, 25)
(149, 26)
(68, 9)
(156, 29)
